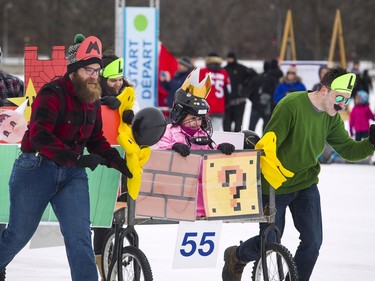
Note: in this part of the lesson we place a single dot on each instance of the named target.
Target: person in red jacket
(65, 119)
(221, 89)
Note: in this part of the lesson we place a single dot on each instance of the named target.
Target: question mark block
(231, 185)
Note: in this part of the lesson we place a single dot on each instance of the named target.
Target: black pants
(255, 116)
(99, 239)
(234, 114)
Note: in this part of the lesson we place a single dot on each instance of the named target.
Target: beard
(87, 91)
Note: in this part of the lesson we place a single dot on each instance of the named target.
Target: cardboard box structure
(229, 186)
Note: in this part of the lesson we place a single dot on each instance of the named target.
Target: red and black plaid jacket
(10, 87)
(62, 136)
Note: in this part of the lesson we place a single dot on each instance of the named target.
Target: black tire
(107, 252)
(285, 267)
(135, 266)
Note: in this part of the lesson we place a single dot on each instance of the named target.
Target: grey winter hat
(83, 52)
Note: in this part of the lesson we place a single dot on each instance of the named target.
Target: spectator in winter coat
(260, 92)
(275, 70)
(172, 84)
(235, 102)
(221, 88)
(360, 116)
(10, 86)
(289, 83)
(364, 81)
(321, 72)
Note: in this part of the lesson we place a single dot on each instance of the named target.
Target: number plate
(197, 244)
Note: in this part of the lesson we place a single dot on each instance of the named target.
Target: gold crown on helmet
(194, 87)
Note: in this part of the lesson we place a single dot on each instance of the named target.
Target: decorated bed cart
(205, 186)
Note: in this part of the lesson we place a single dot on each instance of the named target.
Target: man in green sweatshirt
(300, 126)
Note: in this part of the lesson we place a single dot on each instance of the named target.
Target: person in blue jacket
(172, 84)
(289, 83)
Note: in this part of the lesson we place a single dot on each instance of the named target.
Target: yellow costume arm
(136, 156)
(144, 155)
(272, 169)
(126, 99)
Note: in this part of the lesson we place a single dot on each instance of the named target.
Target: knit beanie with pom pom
(84, 51)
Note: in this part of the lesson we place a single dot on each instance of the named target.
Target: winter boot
(2, 275)
(233, 268)
(98, 261)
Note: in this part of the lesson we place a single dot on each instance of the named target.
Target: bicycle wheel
(135, 266)
(107, 253)
(280, 265)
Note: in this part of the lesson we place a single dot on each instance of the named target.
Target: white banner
(141, 52)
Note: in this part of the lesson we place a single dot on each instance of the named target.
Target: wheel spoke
(280, 265)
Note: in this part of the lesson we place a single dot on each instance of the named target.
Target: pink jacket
(359, 118)
(174, 134)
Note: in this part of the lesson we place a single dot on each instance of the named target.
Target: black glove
(91, 161)
(111, 101)
(181, 148)
(226, 148)
(120, 165)
(127, 116)
(371, 133)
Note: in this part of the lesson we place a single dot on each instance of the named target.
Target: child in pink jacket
(190, 127)
(360, 116)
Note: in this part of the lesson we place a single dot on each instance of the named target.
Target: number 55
(189, 240)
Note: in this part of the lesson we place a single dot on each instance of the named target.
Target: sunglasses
(342, 99)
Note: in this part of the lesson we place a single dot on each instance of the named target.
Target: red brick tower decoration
(39, 72)
(43, 71)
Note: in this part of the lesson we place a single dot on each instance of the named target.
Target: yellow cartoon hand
(271, 172)
(272, 169)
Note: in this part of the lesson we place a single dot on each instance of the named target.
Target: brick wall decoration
(169, 186)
